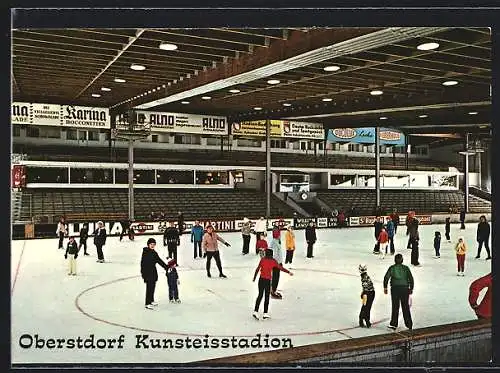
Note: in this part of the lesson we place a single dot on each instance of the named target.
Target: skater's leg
(405, 307)
(218, 262)
(487, 247)
(368, 308)
(267, 290)
(261, 293)
(210, 254)
(479, 248)
(395, 307)
(275, 280)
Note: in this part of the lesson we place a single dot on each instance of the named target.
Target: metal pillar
(268, 169)
(131, 179)
(407, 163)
(466, 173)
(377, 165)
(478, 160)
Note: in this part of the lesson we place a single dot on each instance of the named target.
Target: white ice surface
(320, 303)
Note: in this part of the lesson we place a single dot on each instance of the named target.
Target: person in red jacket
(261, 244)
(383, 241)
(266, 266)
(483, 310)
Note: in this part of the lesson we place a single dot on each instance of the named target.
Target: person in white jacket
(61, 232)
(260, 229)
(278, 256)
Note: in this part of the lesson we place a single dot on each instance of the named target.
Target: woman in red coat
(483, 310)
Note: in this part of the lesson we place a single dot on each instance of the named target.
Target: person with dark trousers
(266, 266)
(211, 249)
(173, 282)
(100, 236)
(401, 287)
(310, 238)
(246, 229)
(196, 238)
(483, 236)
(125, 227)
(409, 217)
(61, 232)
(462, 218)
(437, 244)
(171, 240)
(447, 229)
(378, 225)
(482, 310)
(148, 271)
(84, 234)
(395, 219)
(278, 256)
(391, 231)
(414, 239)
(367, 297)
(180, 223)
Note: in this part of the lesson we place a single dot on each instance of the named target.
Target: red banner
(18, 176)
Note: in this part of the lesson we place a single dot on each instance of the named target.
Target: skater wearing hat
(246, 229)
(367, 297)
(100, 240)
(211, 250)
(173, 282)
(148, 271)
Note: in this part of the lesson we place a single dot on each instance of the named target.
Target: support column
(268, 169)
(407, 163)
(377, 166)
(466, 173)
(131, 179)
(478, 160)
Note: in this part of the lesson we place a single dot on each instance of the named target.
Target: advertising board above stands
(280, 128)
(366, 136)
(66, 116)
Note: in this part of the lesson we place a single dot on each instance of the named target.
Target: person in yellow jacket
(289, 244)
(460, 249)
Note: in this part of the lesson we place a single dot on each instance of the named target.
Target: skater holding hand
(173, 282)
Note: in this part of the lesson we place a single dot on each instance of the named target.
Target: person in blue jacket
(196, 237)
(391, 230)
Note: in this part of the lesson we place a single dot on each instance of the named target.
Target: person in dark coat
(72, 251)
(310, 238)
(100, 236)
(462, 218)
(84, 234)
(447, 229)
(125, 227)
(378, 225)
(483, 236)
(171, 240)
(148, 271)
(414, 238)
(395, 219)
(180, 223)
(173, 282)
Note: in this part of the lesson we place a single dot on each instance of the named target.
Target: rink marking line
(17, 269)
(80, 309)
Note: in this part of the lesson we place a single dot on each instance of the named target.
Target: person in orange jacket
(482, 310)
(289, 244)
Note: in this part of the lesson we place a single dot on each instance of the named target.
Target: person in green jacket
(401, 288)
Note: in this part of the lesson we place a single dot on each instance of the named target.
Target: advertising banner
(367, 221)
(366, 136)
(18, 176)
(280, 128)
(60, 115)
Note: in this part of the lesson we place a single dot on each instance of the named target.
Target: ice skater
(72, 251)
(391, 231)
(462, 218)
(289, 244)
(383, 243)
(246, 229)
(84, 234)
(367, 297)
(447, 229)
(100, 236)
(61, 232)
(211, 249)
(171, 240)
(261, 244)
(310, 238)
(460, 250)
(377, 226)
(414, 238)
(260, 229)
(278, 256)
(173, 282)
(266, 265)
(148, 271)
(483, 236)
(196, 237)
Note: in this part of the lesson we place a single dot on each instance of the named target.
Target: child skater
(173, 281)
(367, 297)
(266, 265)
(289, 244)
(460, 249)
(261, 244)
(383, 242)
(72, 251)
(437, 244)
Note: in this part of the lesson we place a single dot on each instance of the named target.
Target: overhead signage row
(365, 136)
(280, 128)
(60, 115)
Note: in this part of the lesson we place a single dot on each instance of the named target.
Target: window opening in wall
(16, 131)
(34, 132)
(154, 138)
(93, 135)
(82, 135)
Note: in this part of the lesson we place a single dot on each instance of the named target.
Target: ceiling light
(96, 95)
(422, 116)
(273, 81)
(450, 82)
(331, 68)
(137, 67)
(472, 112)
(206, 97)
(327, 99)
(120, 80)
(105, 89)
(376, 93)
(184, 102)
(168, 47)
(234, 91)
(164, 86)
(382, 118)
(257, 108)
(287, 104)
(427, 46)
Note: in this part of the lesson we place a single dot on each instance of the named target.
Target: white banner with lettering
(280, 128)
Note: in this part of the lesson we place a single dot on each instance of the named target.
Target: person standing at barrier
(483, 236)
(377, 225)
(196, 238)
(149, 273)
(391, 231)
(367, 297)
(61, 232)
(72, 252)
(266, 266)
(401, 287)
(171, 240)
(211, 250)
(246, 229)
(460, 250)
(289, 244)
(447, 229)
(100, 236)
(482, 310)
(84, 234)
(260, 229)
(310, 238)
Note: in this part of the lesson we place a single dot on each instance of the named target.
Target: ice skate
(177, 301)
(266, 316)
(149, 307)
(392, 327)
(255, 315)
(172, 301)
(154, 304)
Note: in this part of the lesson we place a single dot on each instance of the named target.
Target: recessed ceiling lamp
(327, 99)
(137, 67)
(105, 89)
(376, 92)
(234, 91)
(184, 102)
(450, 82)
(168, 46)
(422, 116)
(257, 108)
(206, 97)
(273, 81)
(96, 95)
(472, 112)
(331, 68)
(427, 46)
(286, 104)
(120, 80)
(382, 118)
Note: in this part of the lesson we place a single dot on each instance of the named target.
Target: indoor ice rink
(320, 302)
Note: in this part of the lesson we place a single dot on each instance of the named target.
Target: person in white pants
(72, 252)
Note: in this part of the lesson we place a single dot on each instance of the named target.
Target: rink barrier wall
(468, 341)
(144, 227)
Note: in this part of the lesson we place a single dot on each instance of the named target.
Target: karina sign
(60, 115)
(366, 136)
(280, 128)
